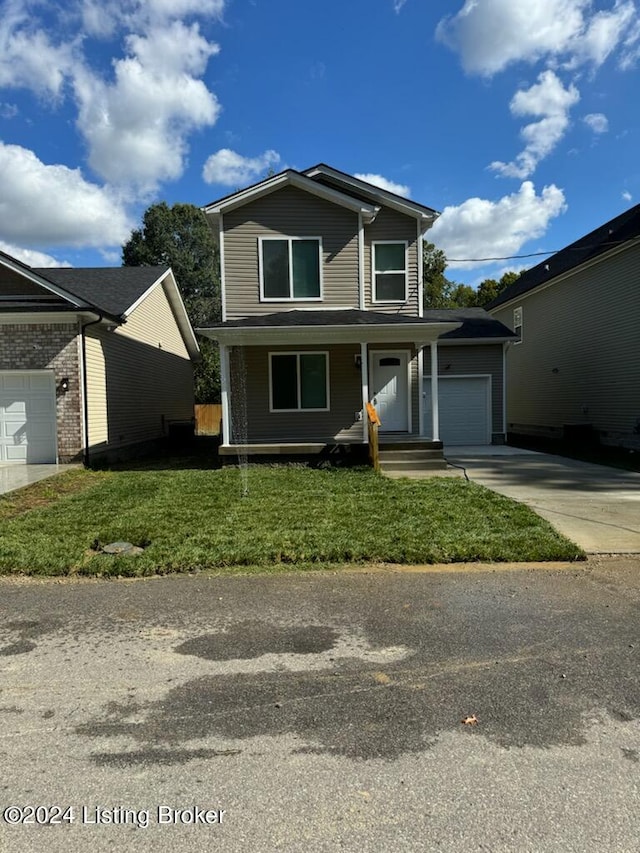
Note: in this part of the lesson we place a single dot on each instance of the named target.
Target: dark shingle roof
(110, 289)
(476, 323)
(619, 230)
(368, 191)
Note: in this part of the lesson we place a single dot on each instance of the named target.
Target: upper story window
(290, 268)
(517, 323)
(389, 271)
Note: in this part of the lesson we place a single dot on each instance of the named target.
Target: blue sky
(518, 120)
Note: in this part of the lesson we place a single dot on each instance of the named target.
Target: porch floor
(310, 448)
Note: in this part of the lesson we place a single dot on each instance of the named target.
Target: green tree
(180, 237)
(490, 288)
(440, 291)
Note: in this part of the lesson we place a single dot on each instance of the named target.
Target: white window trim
(405, 272)
(298, 353)
(289, 298)
(516, 309)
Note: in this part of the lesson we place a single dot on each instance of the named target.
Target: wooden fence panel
(208, 416)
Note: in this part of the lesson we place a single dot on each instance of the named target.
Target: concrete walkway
(593, 505)
(17, 476)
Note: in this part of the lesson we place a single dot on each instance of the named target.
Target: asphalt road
(323, 712)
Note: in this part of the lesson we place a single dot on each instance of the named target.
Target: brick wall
(54, 346)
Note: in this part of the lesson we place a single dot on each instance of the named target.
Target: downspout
(85, 385)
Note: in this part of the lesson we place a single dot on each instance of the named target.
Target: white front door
(390, 389)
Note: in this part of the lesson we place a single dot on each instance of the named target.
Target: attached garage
(27, 416)
(465, 408)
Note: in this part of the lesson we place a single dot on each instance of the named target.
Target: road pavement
(324, 711)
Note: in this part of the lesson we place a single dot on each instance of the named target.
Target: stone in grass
(121, 548)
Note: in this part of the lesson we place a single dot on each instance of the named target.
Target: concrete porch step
(412, 458)
(410, 444)
(412, 465)
(407, 454)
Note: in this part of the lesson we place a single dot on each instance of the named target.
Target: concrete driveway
(14, 477)
(593, 505)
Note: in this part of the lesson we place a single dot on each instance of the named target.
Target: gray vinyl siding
(391, 225)
(473, 360)
(139, 376)
(579, 359)
(249, 369)
(253, 422)
(289, 212)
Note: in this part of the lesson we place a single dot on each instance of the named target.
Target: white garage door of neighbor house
(27, 416)
(465, 409)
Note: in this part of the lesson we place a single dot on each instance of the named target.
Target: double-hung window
(290, 268)
(298, 381)
(389, 271)
(517, 323)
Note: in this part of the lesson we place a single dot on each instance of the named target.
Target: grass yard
(193, 519)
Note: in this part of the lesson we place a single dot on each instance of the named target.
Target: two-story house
(575, 370)
(323, 313)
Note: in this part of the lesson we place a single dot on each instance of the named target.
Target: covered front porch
(298, 383)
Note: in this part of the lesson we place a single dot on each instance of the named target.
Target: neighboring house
(322, 313)
(576, 367)
(93, 362)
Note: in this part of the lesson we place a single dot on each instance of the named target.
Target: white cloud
(31, 257)
(49, 205)
(397, 5)
(137, 126)
(603, 33)
(626, 195)
(385, 184)
(102, 18)
(552, 102)
(231, 169)
(489, 35)
(28, 58)
(598, 122)
(479, 228)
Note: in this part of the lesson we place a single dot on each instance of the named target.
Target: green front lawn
(201, 519)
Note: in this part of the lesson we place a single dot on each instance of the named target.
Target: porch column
(364, 373)
(225, 387)
(420, 388)
(435, 413)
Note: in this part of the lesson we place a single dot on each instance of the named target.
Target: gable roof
(112, 290)
(332, 185)
(291, 178)
(349, 183)
(624, 228)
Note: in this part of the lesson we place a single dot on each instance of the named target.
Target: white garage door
(465, 409)
(27, 416)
